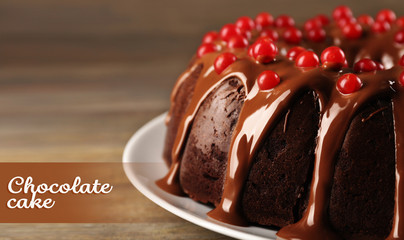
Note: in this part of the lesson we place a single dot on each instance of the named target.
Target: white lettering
(18, 185)
(10, 184)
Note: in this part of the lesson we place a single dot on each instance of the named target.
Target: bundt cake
(300, 128)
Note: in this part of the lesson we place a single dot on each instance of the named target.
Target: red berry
(294, 51)
(312, 23)
(205, 48)
(402, 78)
(399, 37)
(381, 27)
(292, 35)
(237, 42)
(307, 59)
(345, 64)
(251, 51)
(349, 83)
(323, 19)
(341, 12)
(333, 55)
(400, 22)
(316, 35)
(210, 37)
(245, 23)
(268, 80)
(264, 19)
(223, 61)
(264, 50)
(352, 31)
(386, 15)
(366, 20)
(380, 66)
(246, 34)
(344, 21)
(272, 34)
(365, 65)
(401, 62)
(228, 31)
(284, 21)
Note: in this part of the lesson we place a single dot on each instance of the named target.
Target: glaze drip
(397, 231)
(334, 124)
(258, 116)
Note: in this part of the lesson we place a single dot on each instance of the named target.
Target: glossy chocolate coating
(262, 110)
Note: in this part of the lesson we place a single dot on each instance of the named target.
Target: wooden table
(78, 78)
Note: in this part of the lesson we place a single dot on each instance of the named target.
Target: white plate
(144, 165)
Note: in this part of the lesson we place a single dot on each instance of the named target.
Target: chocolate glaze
(335, 121)
(373, 113)
(181, 97)
(262, 109)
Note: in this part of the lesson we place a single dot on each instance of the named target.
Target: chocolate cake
(269, 133)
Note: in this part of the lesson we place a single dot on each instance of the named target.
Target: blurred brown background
(78, 78)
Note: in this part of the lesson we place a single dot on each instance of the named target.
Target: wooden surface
(78, 78)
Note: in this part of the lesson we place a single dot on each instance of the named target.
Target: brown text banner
(64, 193)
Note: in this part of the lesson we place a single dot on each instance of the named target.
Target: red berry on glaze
(251, 51)
(292, 35)
(402, 78)
(245, 23)
(307, 59)
(205, 48)
(344, 21)
(399, 37)
(386, 15)
(342, 12)
(365, 65)
(312, 23)
(380, 66)
(381, 27)
(223, 61)
(272, 34)
(294, 52)
(268, 80)
(401, 62)
(349, 83)
(323, 19)
(366, 20)
(237, 42)
(210, 37)
(333, 55)
(228, 31)
(284, 21)
(316, 35)
(352, 30)
(264, 50)
(400, 22)
(264, 19)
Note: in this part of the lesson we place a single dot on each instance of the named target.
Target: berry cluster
(367, 65)
(348, 24)
(314, 28)
(267, 30)
(352, 27)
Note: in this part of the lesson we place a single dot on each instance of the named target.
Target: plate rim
(207, 223)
